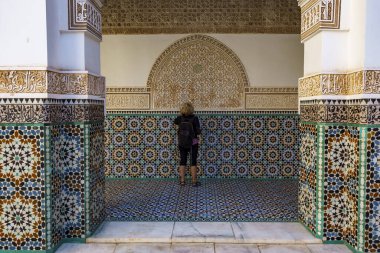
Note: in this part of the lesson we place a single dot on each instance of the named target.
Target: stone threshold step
(204, 232)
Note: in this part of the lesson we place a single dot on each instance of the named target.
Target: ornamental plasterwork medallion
(317, 15)
(200, 69)
(86, 15)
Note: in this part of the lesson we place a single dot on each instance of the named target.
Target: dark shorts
(193, 153)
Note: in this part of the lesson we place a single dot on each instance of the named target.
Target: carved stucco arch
(200, 69)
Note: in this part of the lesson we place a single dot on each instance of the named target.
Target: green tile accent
(362, 188)
(87, 177)
(48, 171)
(320, 181)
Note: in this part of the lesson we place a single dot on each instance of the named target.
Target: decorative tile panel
(341, 181)
(307, 176)
(207, 16)
(22, 180)
(212, 76)
(67, 161)
(317, 15)
(361, 82)
(95, 177)
(233, 145)
(52, 82)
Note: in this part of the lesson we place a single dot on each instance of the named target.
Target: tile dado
(25, 110)
(47, 185)
(140, 145)
(137, 98)
(360, 82)
(318, 15)
(52, 82)
(345, 160)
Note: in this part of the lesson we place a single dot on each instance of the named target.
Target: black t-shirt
(196, 124)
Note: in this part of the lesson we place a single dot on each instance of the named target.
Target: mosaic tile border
(50, 110)
(360, 82)
(52, 82)
(317, 15)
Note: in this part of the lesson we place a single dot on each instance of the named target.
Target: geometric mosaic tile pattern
(349, 195)
(307, 177)
(68, 198)
(95, 172)
(22, 188)
(341, 183)
(215, 200)
(232, 145)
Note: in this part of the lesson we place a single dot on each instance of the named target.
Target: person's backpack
(186, 133)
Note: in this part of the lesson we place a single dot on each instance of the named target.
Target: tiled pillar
(51, 127)
(339, 194)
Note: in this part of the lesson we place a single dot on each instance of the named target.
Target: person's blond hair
(187, 109)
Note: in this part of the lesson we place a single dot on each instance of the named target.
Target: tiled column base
(339, 183)
(51, 177)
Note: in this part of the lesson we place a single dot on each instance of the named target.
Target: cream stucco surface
(270, 60)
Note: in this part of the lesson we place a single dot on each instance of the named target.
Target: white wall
(372, 39)
(23, 37)
(270, 60)
(356, 36)
(69, 50)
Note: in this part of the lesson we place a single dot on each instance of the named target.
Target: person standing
(188, 141)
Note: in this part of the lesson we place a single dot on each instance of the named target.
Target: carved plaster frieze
(128, 101)
(360, 82)
(271, 90)
(356, 111)
(261, 99)
(267, 101)
(46, 81)
(50, 110)
(86, 15)
(318, 15)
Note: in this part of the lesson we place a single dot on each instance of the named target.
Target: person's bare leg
(182, 170)
(193, 171)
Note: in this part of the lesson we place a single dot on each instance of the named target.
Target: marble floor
(215, 200)
(206, 237)
(200, 248)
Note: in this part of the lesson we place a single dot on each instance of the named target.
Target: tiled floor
(214, 200)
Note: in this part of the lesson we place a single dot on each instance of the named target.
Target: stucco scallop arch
(200, 69)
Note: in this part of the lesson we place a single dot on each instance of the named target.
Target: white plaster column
(51, 123)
